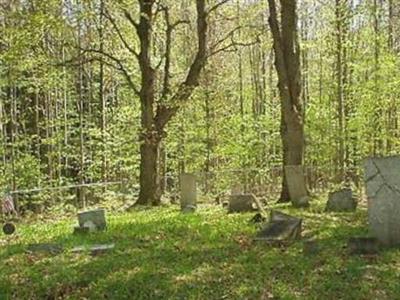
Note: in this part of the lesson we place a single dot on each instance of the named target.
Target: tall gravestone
(188, 191)
(297, 186)
(382, 178)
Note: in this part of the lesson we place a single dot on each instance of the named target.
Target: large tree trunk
(287, 63)
(149, 175)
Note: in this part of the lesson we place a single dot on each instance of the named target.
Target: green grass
(162, 254)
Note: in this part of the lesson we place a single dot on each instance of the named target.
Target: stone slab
(382, 179)
(97, 217)
(281, 227)
(297, 186)
(188, 190)
(242, 203)
(341, 201)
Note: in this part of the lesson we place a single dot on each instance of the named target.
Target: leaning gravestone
(341, 201)
(92, 220)
(241, 203)
(297, 186)
(188, 192)
(382, 178)
(281, 227)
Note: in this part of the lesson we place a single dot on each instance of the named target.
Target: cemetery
(199, 149)
(337, 239)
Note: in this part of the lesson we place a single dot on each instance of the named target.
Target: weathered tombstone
(297, 186)
(363, 245)
(94, 250)
(52, 249)
(241, 203)
(96, 217)
(382, 178)
(282, 227)
(188, 190)
(341, 201)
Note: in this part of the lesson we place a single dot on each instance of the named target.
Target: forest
(134, 107)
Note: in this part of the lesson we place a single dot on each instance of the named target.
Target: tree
(287, 63)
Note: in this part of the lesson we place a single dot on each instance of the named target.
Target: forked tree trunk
(155, 116)
(287, 63)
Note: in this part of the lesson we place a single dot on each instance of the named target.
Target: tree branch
(119, 33)
(216, 6)
(120, 66)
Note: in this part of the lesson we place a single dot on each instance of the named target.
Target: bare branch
(216, 6)
(120, 66)
(120, 35)
(232, 47)
(129, 17)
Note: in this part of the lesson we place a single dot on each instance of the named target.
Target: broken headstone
(341, 201)
(93, 219)
(297, 185)
(363, 245)
(188, 191)
(281, 227)
(52, 249)
(242, 203)
(94, 250)
(382, 178)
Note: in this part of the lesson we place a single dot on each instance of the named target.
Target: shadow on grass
(200, 257)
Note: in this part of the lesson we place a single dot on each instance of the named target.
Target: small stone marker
(281, 227)
(8, 228)
(297, 186)
(242, 203)
(188, 191)
(95, 249)
(52, 249)
(363, 245)
(93, 219)
(382, 178)
(311, 247)
(341, 201)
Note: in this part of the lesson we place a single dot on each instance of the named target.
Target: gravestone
(93, 219)
(363, 245)
(94, 250)
(382, 178)
(341, 201)
(188, 191)
(281, 227)
(52, 249)
(296, 185)
(242, 203)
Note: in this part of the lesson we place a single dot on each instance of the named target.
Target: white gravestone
(382, 178)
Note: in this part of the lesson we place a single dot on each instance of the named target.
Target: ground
(162, 254)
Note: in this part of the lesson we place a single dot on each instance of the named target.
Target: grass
(162, 254)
